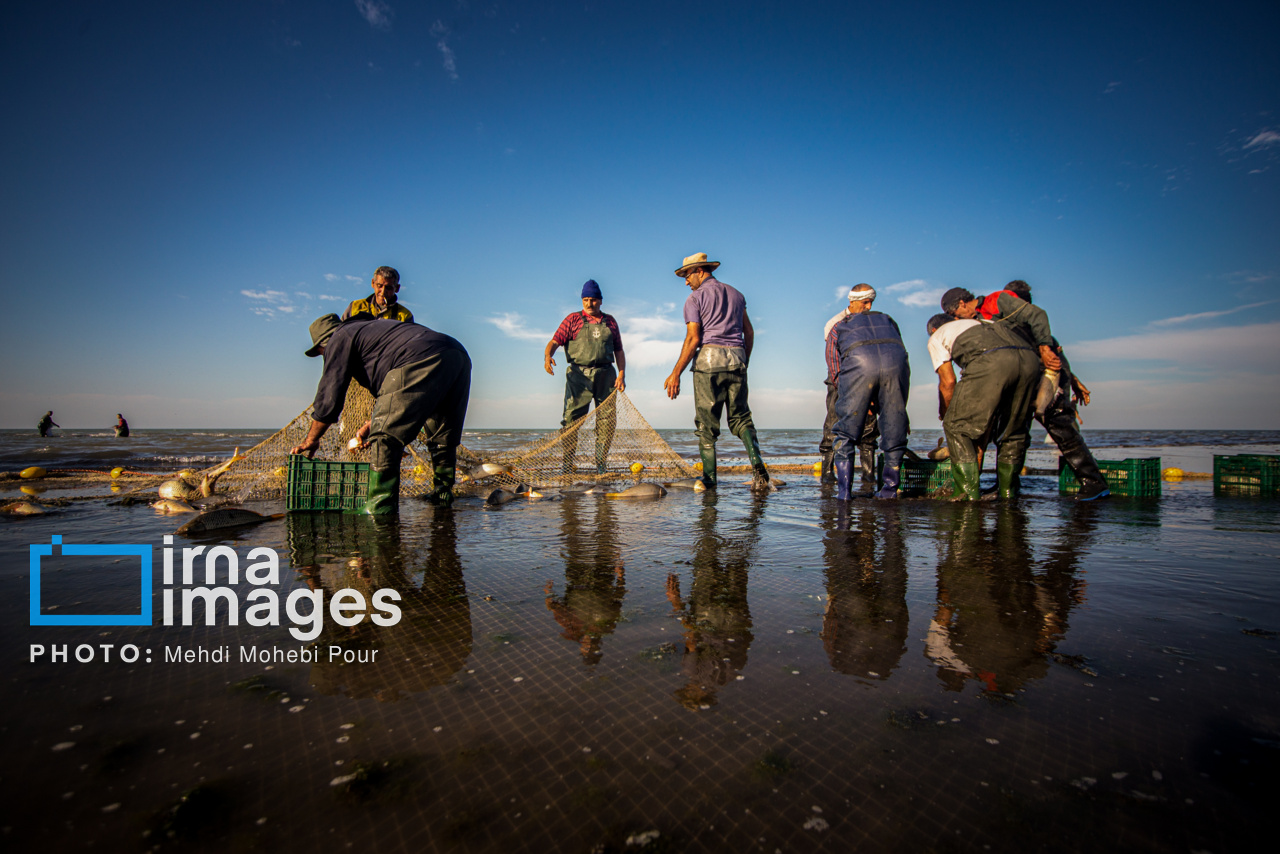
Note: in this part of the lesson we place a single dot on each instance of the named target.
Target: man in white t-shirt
(992, 400)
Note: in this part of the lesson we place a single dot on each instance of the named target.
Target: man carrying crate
(419, 378)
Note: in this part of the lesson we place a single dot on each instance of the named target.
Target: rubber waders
(384, 493)
(966, 477)
(442, 486)
(868, 460)
(828, 473)
(708, 454)
(844, 477)
(759, 474)
(1007, 483)
(892, 476)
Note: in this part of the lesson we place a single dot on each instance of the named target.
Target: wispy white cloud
(440, 32)
(331, 277)
(273, 297)
(355, 279)
(1206, 315)
(1263, 139)
(376, 12)
(1111, 87)
(513, 325)
(331, 297)
(654, 339)
(1191, 353)
(917, 293)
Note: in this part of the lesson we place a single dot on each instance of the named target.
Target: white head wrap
(868, 293)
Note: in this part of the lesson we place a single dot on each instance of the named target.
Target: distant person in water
(382, 302)
(122, 426)
(46, 423)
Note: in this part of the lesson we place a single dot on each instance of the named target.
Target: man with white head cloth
(867, 361)
(870, 428)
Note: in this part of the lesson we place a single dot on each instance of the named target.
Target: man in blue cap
(592, 343)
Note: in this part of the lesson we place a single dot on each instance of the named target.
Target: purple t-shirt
(718, 308)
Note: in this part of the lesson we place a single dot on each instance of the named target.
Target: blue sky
(187, 186)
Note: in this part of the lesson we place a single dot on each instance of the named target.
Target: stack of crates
(1135, 478)
(323, 485)
(1246, 474)
(918, 477)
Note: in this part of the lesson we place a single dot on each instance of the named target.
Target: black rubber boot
(966, 477)
(844, 479)
(1092, 483)
(444, 463)
(867, 457)
(891, 476)
(384, 493)
(1008, 485)
(708, 454)
(828, 473)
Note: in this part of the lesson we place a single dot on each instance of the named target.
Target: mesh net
(603, 445)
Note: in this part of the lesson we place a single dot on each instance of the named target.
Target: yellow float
(1173, 473)
(32, 472)
(636, 468)
(117, 471)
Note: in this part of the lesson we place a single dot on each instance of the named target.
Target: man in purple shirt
(719, 334)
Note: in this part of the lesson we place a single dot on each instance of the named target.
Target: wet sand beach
(704, 672)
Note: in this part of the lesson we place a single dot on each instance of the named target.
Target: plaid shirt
(570, 325)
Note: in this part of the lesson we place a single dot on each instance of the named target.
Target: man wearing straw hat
(718, 341)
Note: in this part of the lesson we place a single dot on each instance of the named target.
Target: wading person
(718, 341)
(867, 362)
(992, 400)
(419, 377)
(870, 429)
(46, 422)
(122, 426)
(592, 343)
(381, 304)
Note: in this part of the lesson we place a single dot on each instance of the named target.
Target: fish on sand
(184, 490)
(223, 517)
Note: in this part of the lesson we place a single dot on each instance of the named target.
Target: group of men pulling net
(604, 445)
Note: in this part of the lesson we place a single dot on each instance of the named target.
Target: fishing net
(604, 445)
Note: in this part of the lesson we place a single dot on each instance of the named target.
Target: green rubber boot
(966, 477)
(444, 464)
(1008, 485)
(384, 493)
(759, 474)
(708, 454)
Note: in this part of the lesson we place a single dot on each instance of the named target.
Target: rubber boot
(867, 457)
(708, 454)
(891, 476)
(1092, 484)
(966, 477)
(828, 473)
(844, 479)
(1008, 485)
(444, 461)
(759, 474)
(384, 493)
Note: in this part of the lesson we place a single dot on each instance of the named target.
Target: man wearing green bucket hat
(419, 377)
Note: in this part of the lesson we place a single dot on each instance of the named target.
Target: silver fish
(1047, 392)
(173, 505)
(223, 517)
(581, 488)
(640, 490)
(500, 496)
(485, 470)
(184, 490)
(697, 484)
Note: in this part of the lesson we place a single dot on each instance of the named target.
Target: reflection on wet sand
(997, 620)
(594, 577)
(432, 640)
(864, 629)
(716, 617)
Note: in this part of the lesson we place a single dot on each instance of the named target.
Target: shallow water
(737, 674)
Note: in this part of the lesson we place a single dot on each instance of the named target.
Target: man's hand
(308, 448)
(672, 385)
(1048, 358)
(363, 433)
(549, 364)
(620, 383)
(1081, 395)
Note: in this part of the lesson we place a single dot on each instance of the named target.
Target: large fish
(640, 490)
(581, 488)
(941, 452)
(183, 490)
(483, 471)
(23, 508)
(173, 505)
(1047, 392)
(697, 484)
(223, 517)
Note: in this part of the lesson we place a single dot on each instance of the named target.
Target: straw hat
(699, 260)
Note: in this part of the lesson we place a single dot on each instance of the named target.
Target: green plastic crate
(918, 477)
(1135, 478)
(1246, 474)
(316, 485)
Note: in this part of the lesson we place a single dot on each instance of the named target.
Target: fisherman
(718, 341)
(418, 376)
(45, 423)
(381, 304)
(1059, 418)
(122, 427)
(992, 399)
(867, 362)
(1005, 307)
(592, 343)
(870, 430)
